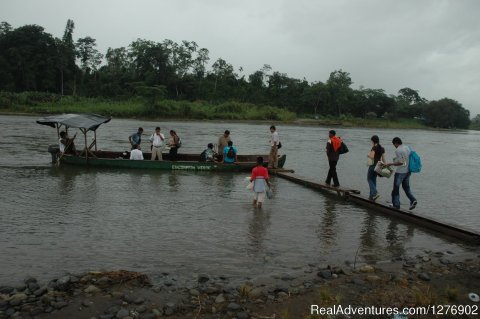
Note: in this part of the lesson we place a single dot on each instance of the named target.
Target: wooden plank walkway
(460, 232)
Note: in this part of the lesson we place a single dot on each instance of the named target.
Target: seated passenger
(208, 155)
(230, 154)
(136, 153)
(66, 144)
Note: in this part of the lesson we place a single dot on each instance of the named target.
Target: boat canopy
(88, 122)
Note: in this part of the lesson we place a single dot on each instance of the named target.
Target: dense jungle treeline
(179, 80)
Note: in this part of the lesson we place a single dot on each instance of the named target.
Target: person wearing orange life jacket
(333, 154)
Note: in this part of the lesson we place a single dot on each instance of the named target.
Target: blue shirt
(227, 159)
(136, 138)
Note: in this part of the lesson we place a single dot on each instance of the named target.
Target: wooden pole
(95, 139)
(84, 131)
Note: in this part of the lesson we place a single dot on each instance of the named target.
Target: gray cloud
(431, 45)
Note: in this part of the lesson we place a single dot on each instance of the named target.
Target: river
(65, 219)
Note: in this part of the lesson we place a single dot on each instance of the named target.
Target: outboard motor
(54, 150)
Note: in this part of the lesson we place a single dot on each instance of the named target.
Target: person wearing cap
(223, 141)
(136, 138)
(333, 154)
(158, 141)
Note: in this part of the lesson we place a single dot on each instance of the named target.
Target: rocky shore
(427, 279)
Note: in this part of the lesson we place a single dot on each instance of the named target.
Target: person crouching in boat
(230, 154)
(260, 181)
(208, 155)
(66, 144)
(136, 153)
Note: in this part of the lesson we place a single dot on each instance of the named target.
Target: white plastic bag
(250, 186)
(385, 171)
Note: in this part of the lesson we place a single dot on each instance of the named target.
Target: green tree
(338, 85)
(88, 54)
(475, 124)
(446, 113)
(66, 57)
(29, 59)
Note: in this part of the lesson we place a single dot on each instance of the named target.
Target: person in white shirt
(274, 142)
(158, 141)
(136, 153)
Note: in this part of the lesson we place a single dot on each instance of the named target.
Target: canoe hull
(183, 164)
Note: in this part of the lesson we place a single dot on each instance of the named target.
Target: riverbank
(433, 278)
(44, 103)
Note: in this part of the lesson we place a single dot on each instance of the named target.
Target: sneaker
(374, 198)
(391, 206)
(413, 205)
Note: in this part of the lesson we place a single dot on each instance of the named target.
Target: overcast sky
(432, 46)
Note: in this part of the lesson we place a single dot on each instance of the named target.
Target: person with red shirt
(260, 182)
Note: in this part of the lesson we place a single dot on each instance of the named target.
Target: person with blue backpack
(406, 162)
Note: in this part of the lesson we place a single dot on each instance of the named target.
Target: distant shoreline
(349, 123)
(344, 123)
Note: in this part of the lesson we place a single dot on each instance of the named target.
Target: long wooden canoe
(183, 162)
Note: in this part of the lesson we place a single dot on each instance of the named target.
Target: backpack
(231, 152)
(179, 144)
(279, 146)
(343, 148)
(414, 162)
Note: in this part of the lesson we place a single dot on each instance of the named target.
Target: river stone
(444, 261)
(243, 315)
(40, 291)
(147, 316)
(62, 283)
(326, 274)
(29, 279)
(107, 316)
(6, 290)
(424, 276)
(33, 286)
(296, 282)
(141, 309)
(10, 312)
(91, 289)
(256, 293)
(233, 306)
(220, 298)
(87, 303)
(373, 278)
(211, 290)
(60, 304)
(129, 298)
(122, 313)
(103, 281)
(112, 310)
(367, 269)
(170, 309)
(17, 299)
(202, 278)
(194, 292)
(358, 281)
(157, 312)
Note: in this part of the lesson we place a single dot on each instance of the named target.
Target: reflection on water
(58, 219)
